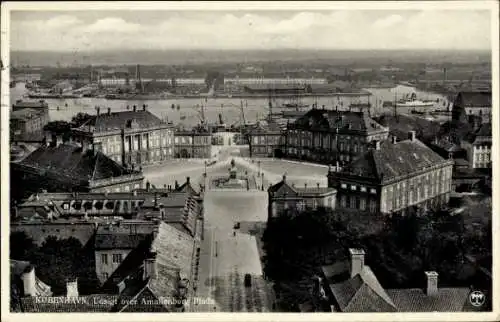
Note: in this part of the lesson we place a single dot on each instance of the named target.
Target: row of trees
(64, 128)
(56, 261)
(297, 245)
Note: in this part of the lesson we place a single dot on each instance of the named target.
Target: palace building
(329, 136)
(283, 197)
(265, 140)
(196, 143)
(392, 177)
(135, 137)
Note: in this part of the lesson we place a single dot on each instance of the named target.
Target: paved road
(228, 254)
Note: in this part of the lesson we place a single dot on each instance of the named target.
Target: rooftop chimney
(357, 261)
(150, 269)
(148, 185)
(188, 179)
(135, 108)
(432, 283)
(284, 178)
(412, 135)
(29, 281)
(377, 145)
(305, 185)
(317, 185)
(176, 185)
(144, 107)
(98, 109)
(109, 110)
(72, 288)
(394, 139)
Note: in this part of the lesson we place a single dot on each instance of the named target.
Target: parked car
(248, 280)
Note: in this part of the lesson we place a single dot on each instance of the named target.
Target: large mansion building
(331, 136)
(392, 177)
(135, 137)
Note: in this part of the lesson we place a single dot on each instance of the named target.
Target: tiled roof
(118, 120)
(118, 241)
(362, 293)
(69, 160)
(475, 99)
(415, 300)
(90, 303)
(393, 160)
(329, 120)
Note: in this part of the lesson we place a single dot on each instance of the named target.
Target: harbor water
(189, 112)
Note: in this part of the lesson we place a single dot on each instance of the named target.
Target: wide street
(227, 254)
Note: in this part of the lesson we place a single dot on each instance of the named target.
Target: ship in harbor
(138, 96)
(413, 103)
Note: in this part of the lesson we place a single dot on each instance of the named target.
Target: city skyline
(327, 30)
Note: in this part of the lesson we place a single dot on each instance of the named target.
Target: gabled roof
(474, 99)
(174, 259)
(415, 300)
(331, 120)
(187, 187)
(69, 160)
(283, 189)
(118, 120)
(393, 160)
(362, 293)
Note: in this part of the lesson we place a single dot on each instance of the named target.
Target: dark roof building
(351, 286)
(393, 176)
(329, 136)
(469, 104)
(68, 167)
(283, 197)
(128, 137)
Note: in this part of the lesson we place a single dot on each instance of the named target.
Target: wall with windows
(358, 196)
(280, 205)
(107, 261)
(417, 189)
(478, 155)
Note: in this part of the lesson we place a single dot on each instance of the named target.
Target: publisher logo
(477, 298)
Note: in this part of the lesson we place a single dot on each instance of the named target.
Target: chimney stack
(72, 288)
(148, 185)
(377, 145)
(412, 135)
(317, 185)
(29, 281)
(188, 179)
(432, 283)
(305, 185)
(143, 107)
(135, 108)
(109, 110)
(357, 261)
(98, 109)
(284, 178)
(176, 185)
(150, 269)
(394, 139)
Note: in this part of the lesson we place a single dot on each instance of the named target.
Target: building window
(373, 191)
(343, 201)
(105, 276)
(343, 186)
(352, 202)
(353, 187)
(373, 206)
(363, 189)
(362, 204)
(117, 258)
(104, 259)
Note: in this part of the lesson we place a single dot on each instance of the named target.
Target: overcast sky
(347, 29)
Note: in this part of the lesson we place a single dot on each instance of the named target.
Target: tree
(21, 246)
(80, 118)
